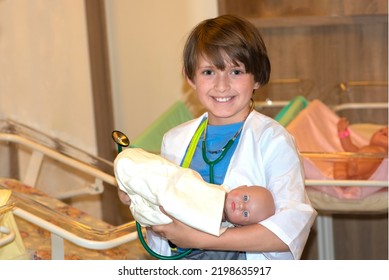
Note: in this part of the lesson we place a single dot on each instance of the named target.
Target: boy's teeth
(224, 99)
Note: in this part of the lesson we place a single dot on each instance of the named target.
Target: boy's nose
(222, 83)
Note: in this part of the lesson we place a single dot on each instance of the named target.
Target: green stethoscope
(202, 130)
(211, 163)
(122, 140)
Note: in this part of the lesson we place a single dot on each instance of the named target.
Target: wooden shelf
(301, 21)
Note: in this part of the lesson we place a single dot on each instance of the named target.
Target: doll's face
(380, 138)
(246, 205)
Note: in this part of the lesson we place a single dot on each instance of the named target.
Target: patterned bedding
(37, 240)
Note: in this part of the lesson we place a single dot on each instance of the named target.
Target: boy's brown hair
(228, 37)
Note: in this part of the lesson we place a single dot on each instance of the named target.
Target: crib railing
(270, 99)
(39, 152)
(340, 156)
(359, 101)
(58, 233)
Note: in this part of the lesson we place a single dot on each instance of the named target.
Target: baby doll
(360, 168)
(152, 181)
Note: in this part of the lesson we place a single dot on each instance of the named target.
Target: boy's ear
(190, 82)
(256, 85)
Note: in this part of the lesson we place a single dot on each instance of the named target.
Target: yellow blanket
(15, 249)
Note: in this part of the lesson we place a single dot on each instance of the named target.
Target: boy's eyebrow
(208, 65)
(231, 65)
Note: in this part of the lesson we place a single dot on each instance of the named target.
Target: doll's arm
(344, 136)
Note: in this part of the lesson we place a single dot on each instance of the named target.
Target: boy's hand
(178, 233)
(124, 198)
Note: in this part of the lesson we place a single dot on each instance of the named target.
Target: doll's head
(380, 138)
(248, 205)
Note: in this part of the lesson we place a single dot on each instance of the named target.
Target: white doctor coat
(265, 156)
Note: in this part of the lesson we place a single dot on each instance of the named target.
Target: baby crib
(48, 216)
(314, 129)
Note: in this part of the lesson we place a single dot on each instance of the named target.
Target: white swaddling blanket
(152, 181)
(315, 130)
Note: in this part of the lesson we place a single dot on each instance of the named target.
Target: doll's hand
(343, 124)
(124, 198)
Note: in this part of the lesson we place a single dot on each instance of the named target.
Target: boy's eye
(207, 72)
(246, 198)
(237, 72)
(246, 214)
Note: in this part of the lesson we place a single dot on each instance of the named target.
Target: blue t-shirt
(217, 137)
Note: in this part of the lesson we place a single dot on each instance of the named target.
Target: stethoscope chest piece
(120, 138)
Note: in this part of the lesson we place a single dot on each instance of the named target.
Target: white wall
(146, 41)
(44, 68)
(45, 80)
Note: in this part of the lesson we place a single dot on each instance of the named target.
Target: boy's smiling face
(226, 94)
